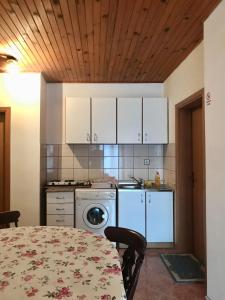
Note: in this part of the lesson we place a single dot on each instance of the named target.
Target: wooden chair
(133, 256)
(7, 217)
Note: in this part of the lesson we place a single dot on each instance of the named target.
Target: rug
(184, 268)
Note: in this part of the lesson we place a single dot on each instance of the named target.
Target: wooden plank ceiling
(102, 40)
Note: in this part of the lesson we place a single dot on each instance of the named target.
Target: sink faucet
(139, 180)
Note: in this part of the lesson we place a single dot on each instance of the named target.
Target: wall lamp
(6, 62)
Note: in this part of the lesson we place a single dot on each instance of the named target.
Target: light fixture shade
(5, 60)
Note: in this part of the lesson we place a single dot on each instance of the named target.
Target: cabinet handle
(95, 137)
(139, 136)
(59, 197)
(59, 221)
(88, 137)
(146, 137)
(59, 208)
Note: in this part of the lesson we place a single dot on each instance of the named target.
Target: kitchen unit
(60, 207)
(90, 120)
(129, 121)
(159, 217)
(147, 211)
(131, 209)
(155, 129)
(100, 120)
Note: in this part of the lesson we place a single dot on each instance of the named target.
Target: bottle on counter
(157, 179)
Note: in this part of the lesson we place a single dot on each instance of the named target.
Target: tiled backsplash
(169, 164)
(101, 161)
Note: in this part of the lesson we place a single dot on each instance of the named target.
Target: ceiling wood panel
(102, 40)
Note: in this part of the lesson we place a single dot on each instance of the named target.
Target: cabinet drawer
(60, 208)
(60, 220)
(60, 197)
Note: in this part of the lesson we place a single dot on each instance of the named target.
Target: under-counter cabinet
(60, 209)
(159, 217)
(131, 210)
(91, 120)
(129, 121)
(155, 123)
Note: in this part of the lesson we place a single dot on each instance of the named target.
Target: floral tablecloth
(58, 263)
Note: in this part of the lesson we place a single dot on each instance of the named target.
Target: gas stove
(75, 183)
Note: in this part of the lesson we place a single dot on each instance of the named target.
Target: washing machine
(95, 209)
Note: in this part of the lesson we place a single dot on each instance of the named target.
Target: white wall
(214, 64)
(57, 92)
(22, 93)
(183, 82)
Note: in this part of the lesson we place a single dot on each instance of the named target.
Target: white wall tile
(140, 150)
(66, 162)
(66, 174)
(141, 173)
(96, 173)
(126, 162)
(110, 162)
(66, 150)
(155, 150)
(111, 173)
(80, 150)
(80, 174)
(139, 163)
(111, 150)
(125, 174)
(52, 162)
(96, 150)
(96, 162)
(80, 162)
(52, 174)
(126, 150)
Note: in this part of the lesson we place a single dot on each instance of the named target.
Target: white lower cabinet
(131, 210)
(150, 213)
(60, 209)
(159, 217)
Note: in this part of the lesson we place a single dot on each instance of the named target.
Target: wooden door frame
(6, 167)
(183, 205)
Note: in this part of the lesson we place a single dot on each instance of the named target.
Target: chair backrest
(133, 256)
(7, 217)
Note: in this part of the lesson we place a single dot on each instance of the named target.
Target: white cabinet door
(159, 217)
(155, 124)
(103, 120)
(78, 120)
(129, 121)
(131, 210)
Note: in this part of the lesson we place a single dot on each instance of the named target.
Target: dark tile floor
(155, 283)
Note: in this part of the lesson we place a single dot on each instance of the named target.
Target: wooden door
(78, 120)
(103, 120)
(1, 162)
(198, 184)
(4, 158)
(155, 125)
(129, 121)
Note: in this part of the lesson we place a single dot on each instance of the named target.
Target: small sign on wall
(208, 98)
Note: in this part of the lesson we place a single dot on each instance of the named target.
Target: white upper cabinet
(78, 120)
(129, 121)
(155, 127)
(104, 120)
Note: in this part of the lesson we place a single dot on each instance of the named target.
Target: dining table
(53, 262)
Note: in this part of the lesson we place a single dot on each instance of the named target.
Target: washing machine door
(95, 216)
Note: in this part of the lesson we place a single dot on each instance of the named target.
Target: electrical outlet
(147, 162)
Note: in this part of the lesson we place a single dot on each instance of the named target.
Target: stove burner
(70, 182)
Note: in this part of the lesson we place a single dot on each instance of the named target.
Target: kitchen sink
(124, 186)
(129, 185)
